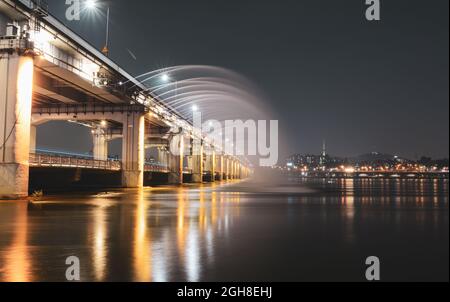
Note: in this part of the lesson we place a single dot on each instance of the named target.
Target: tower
(323, 156)
(324, 149)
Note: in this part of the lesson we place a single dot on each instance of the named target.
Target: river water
(307, 230)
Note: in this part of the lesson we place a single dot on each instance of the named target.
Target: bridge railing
(61, 161)
(156, 167)
(66, 161)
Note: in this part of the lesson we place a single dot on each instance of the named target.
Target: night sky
(329, 73)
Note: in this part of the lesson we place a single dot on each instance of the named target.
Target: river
(307, 230)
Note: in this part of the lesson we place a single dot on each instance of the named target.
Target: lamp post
(93, 5)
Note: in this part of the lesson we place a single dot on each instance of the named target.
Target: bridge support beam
(16, 85)
(133, 149)
(100, 144)
(176, 160)
(197, 161)
(211, 164)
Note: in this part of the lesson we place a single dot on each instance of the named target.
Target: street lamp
(93, 5)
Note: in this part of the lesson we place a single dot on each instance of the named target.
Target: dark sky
(330, 74)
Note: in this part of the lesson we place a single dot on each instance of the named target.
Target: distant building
(323, 156)
(299, 160)
(311, 161)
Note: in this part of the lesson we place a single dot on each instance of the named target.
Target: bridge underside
(53, 180)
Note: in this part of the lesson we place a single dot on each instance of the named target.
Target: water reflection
(206, 233)
(17, 263)
(142, 248)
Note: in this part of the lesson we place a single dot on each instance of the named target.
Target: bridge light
(91, 4)
(165, 77)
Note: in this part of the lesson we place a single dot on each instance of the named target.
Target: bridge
(49, 73)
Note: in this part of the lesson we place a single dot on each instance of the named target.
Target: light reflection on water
(213, 233)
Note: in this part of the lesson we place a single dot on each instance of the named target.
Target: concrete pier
(16, 89)
(176, 160)
(220, 166)
(100, 144)
(227, 168)
(197, 162)
(211, 163)
(133, 149)
(163, 156)
(33, 137)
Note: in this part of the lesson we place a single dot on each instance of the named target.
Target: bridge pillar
(221, 167)
(33, 135)
(197, 161)
(133, 149)
(162, 156)
(211, 163)
(100, 143)
(227, 168)
(231, 168)
(16, 85)
(176, 160)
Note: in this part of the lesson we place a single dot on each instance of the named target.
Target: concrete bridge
(48, 73)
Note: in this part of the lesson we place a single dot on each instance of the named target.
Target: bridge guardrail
(155, 168)
(60, 161)
(64, 161)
